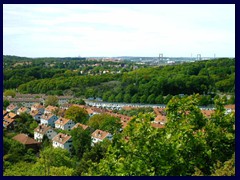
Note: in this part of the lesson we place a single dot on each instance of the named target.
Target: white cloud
(112, 30)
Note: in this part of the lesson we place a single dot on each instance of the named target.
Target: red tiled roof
(61, 138)
(230, 106)
(80, 125)
(34, 112)
(4, 112)
(100, 134)
(50, 108)
(37, 106)
(207, 113)
(11, 115)
(160, 118)
(47, 116)
(24, 139)
(22, 109)
(62, 121)
(11, 107)
(155, 125)
(42, 129)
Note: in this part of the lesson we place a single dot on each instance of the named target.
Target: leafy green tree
(135, 99)
(119, 97)
(97, 152)
(105, 122)
(151, 99)
(225, 169)
(19, 169)
(111, 98)
(13, 150)
(231, 100)
(25, 124)
(53, 157)
(127, 98)
(76, 114)
(51, 100)
(190, 144)
(5, 103)
(9, 92)
(159, 99)
(167, 98)
(106, 95)
(81, 141)
(143, 99)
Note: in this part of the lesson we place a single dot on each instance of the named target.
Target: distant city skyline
(94, 30)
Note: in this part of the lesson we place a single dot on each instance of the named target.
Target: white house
(99, 136)
(36, 115)
(48, 119)
(22, 110)
(63, 141)
(64, 124)
(38, 107)
(50, 109)
(42, 130)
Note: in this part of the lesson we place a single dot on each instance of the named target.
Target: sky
(91, 30)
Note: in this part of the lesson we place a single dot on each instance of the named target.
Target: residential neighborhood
(49, 122)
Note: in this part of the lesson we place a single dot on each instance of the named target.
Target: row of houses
(27, 100)
(48, 123)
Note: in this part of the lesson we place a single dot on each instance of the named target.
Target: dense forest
(189, 145)
(140, 85)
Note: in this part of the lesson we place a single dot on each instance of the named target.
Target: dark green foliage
(25, 124)
(51, 100)
(105, 122)
(190, 144)
(76, 114)
(203, 77)
(5, 104)
(81, 141)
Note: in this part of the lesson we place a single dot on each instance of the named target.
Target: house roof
(51, 108)
(11, 115)
(89, 111)
(22, 109)
(24, 139)
(80, 125)
(47, 116)
(62, 121)
(65, 97)
(25, 100)
(61, 138)
(230, 106)
(7, 122)
(4, 112)
(34, 112)
(155, 125)
(37, 106)
(99, 134)
(11, 107)
(42, 129)
(207, 113)
(160, 118)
